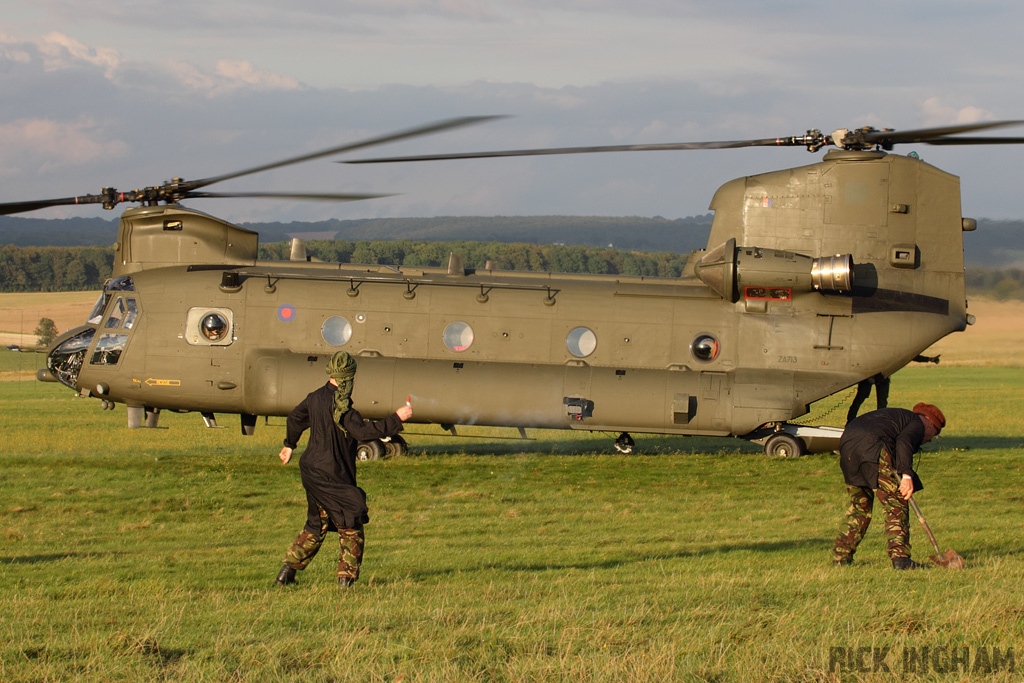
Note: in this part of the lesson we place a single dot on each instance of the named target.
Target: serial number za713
(787, 359)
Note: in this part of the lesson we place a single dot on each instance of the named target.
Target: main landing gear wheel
(369, 450)
(784, 445)
(625, 443)
(395, 446)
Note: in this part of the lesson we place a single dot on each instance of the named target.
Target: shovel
(951, 559)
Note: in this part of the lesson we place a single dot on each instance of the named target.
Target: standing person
(328, 468)
(876, 455)
(881, 384)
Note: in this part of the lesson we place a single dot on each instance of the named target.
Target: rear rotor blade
(934, 136)
(976, 141)
(813, 140)
(725, 144)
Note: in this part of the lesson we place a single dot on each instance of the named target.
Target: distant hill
(995, 244)
(632, 233)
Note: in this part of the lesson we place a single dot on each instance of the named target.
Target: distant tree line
(1001, 284)
(54, 269)
(64, 269)
(995, 244)
(506, 256)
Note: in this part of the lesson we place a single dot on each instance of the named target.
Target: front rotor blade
(436, 127)
(8, 208)
(727, 144)
(320, 196)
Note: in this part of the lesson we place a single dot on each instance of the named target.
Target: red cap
(932, 414)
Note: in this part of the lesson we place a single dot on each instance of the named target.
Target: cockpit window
(131, 312)
(122, 313)
(108, 349)
(121, 284)
(116, 313)
(97, 310)
(118, 284)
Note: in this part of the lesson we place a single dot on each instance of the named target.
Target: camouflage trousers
(307, 545)
(858, 515)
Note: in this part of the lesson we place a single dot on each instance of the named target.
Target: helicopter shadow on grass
(56, 557)
(553, 442)
(147, 647)
(969, 443)
(612, 563)
(653, 445)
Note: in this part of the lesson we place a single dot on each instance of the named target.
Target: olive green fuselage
(814, 279)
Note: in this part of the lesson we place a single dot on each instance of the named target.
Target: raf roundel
(286, 313)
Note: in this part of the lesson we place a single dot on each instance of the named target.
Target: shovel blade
(948, 560)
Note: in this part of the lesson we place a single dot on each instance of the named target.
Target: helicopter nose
(66, 356)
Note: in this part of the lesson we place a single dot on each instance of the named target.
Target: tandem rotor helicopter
(814, 278)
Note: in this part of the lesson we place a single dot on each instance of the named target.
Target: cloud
(221, 19)
(40, 146)
(60, 52)
(242, 73)
(120, 99)
(57, 52)
(228, 76)
(936, 112)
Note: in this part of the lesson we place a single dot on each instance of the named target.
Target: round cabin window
(336, 331)
(581, 342)
(458, 336)
(705, 347)
(214, 326)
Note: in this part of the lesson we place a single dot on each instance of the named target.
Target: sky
(130, 93)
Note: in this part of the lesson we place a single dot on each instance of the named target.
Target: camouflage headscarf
(342, 369)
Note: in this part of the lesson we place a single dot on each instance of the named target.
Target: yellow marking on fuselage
(163, 382)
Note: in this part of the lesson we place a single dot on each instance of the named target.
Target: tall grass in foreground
(150, 555)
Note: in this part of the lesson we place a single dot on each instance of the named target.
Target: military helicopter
(814, 278)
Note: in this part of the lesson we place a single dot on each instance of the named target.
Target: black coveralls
(899, 431)
(328, 468)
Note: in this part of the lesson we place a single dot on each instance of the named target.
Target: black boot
(907, 563)
(286, 576)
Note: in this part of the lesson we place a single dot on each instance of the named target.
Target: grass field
(150, 555)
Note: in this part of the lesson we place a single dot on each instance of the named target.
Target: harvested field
(993, 340)
(20, 313)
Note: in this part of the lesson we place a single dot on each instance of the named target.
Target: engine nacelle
(772, 273)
